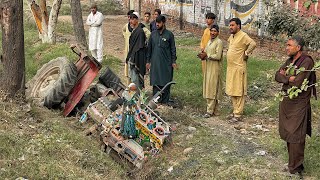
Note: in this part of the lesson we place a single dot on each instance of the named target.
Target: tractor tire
(53, 82)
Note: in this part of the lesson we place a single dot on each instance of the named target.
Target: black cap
(161, 18)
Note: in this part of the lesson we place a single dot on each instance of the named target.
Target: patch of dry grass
(37, 143)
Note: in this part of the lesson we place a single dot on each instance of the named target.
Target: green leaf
(302, 69)
(281, 98)
(291, 71)
(291, 95)
(307, 4)
(317, 65)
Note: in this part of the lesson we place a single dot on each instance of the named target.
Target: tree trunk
(78, 27)
(12, 81)
(46, 24)
(53, 19)
(44, 21)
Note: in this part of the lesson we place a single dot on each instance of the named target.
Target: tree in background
(12, 79)
(46, 24)
(77, 21)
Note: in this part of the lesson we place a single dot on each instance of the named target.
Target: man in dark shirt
(161, 58)
(153, 26)
(136, 58)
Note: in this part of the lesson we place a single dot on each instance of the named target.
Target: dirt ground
(113, 38)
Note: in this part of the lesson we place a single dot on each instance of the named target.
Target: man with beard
(295, 113)
(240, 46)
(161, 58)
(95, 20)
(210, 17)
(136, 58)
(212, 79)
(126, 31)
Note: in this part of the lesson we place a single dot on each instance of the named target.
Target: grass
(188, 41)
(43, 145)
(189, 78)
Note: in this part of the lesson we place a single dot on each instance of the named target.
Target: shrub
(283, 21)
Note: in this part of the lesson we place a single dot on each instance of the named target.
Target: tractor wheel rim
(46, 83)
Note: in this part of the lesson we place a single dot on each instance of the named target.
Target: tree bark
(53, 19)
(46, 24)
(44, 21)
(78, 27)
(12, 81)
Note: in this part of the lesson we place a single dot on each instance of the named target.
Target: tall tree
(46, 23)
(11, 18)
(53, 19)
(78, 27)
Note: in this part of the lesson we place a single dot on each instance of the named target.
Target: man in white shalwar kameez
(95, 20)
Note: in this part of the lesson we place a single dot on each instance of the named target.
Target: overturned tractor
(124, 117)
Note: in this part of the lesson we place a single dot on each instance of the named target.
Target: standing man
(126, 32)
(136, 58)
(161, 58)
(240, 46)
(95, 20)
(212, 79)
(153, 26)
(146, 22)
(210, 17)
(295, 113)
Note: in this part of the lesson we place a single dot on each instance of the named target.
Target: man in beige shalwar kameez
(212, 81)
(240, 46)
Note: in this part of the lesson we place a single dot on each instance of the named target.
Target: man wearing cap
(136, 58)
(95, 20)
(212, 79)
(240, 47)
(161, 58)
(126, 31)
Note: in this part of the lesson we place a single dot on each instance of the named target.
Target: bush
(283, 21)
(311, 32)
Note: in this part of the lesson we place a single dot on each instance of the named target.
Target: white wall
(194, 10)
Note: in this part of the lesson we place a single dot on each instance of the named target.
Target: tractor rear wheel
(53, 82)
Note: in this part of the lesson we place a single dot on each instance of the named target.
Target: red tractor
(62, 82)
(116, 110)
